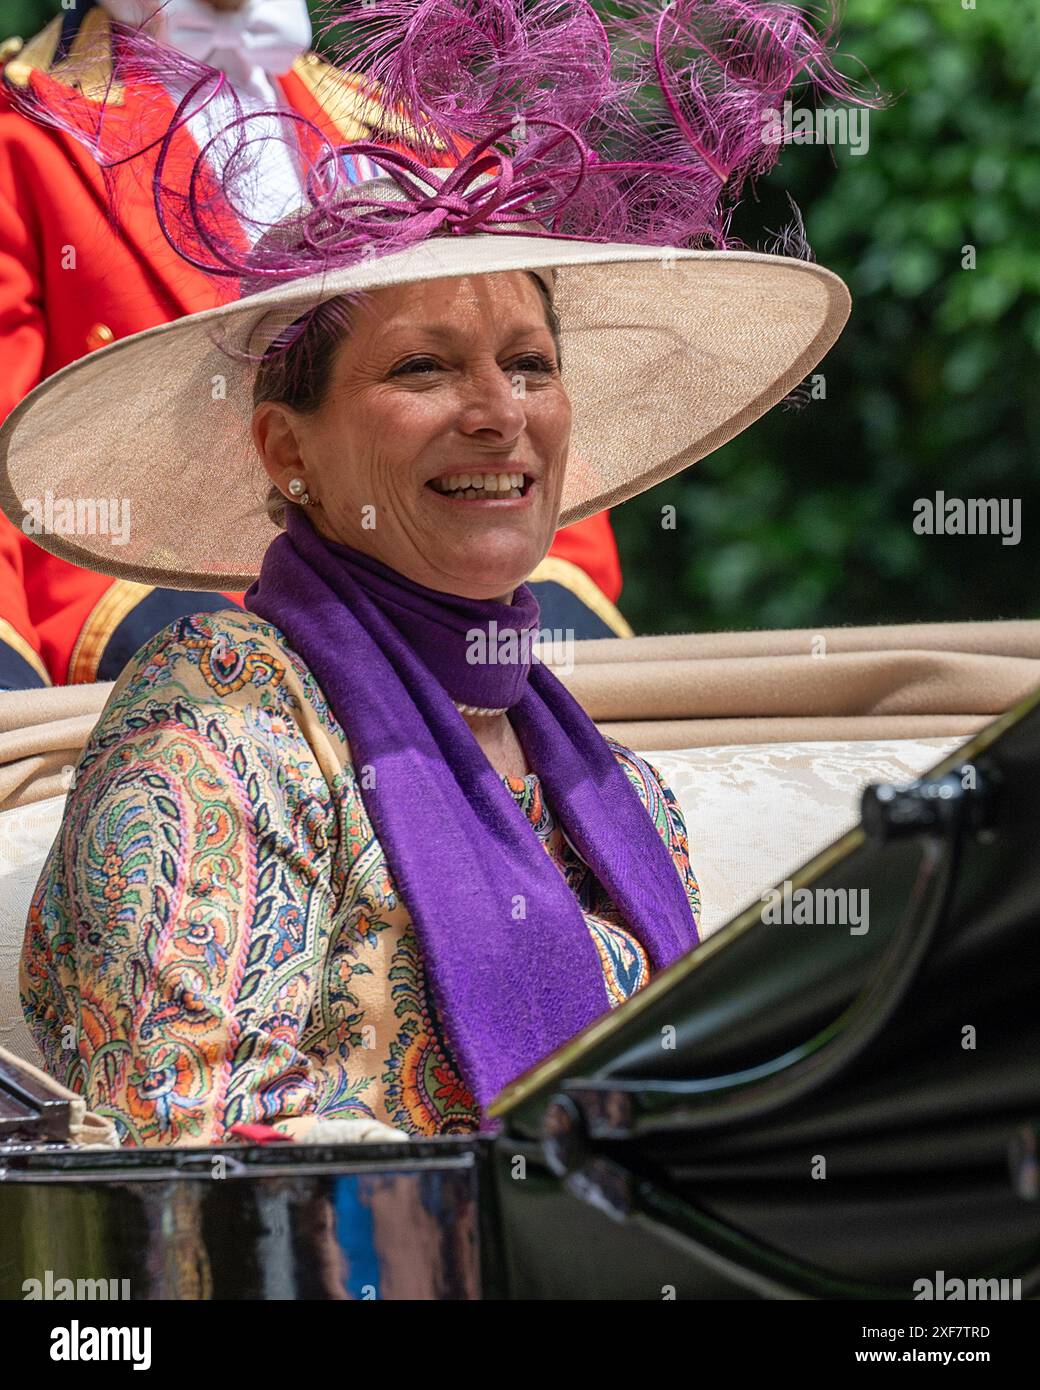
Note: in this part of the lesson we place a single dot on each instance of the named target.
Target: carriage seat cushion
(754, 813)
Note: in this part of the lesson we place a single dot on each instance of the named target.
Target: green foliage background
(805, 520)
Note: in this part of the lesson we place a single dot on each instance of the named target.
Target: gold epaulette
(348, 99)
(351, 102)
(87, 68)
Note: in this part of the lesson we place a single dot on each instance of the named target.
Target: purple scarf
(511, 961)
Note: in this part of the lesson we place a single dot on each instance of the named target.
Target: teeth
(476, 484)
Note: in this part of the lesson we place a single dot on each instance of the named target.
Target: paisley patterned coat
(216, 938)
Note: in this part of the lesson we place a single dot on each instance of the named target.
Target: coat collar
(337, 103)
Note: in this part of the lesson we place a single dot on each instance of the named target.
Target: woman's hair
(298, 375)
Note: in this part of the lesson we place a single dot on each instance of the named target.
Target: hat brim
(667, 354)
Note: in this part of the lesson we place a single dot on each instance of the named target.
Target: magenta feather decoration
(469, 67)
(710, 77)
(643, 125)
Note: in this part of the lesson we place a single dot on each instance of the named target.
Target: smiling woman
(319, 861)
(436, 394)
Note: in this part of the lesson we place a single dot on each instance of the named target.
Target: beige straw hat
(667, 354)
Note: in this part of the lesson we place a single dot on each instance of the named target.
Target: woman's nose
(493, 400)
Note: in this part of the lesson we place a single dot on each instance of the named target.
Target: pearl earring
(298, 488)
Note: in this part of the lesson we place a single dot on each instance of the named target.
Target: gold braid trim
(87, 69)
(17, 642)
(115, 603)
(348, 99)
(553, 570)
(35, 56)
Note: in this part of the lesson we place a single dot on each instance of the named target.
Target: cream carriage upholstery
(766, 738)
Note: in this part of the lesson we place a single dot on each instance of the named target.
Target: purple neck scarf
(512, 964)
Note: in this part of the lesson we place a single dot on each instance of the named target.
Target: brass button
(100, 336)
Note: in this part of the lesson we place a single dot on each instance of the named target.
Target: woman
(355, 852)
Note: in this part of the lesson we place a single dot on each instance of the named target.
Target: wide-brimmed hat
(668, 352)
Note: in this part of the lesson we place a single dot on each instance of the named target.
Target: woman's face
(435, 384)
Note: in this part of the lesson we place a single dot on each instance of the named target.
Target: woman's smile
(512, 488)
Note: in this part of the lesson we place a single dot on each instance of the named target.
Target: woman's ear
(275, 436)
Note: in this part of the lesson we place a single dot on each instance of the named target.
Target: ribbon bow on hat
(269, 34)
(486, 191)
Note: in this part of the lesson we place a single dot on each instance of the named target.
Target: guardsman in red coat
(70, 282)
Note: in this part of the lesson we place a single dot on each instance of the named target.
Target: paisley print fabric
(215, 937)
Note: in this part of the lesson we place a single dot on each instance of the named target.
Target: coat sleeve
(22, 324)
(22, 350)
(666, 813)
(175, 937)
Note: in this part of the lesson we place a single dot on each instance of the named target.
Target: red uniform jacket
(71, 283)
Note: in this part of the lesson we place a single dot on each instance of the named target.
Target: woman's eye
(535, 362)
(423, 366)
(415, 365)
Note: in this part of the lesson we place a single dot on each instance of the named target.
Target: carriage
(796, 1109)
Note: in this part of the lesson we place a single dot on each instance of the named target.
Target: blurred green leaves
(806, 518)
